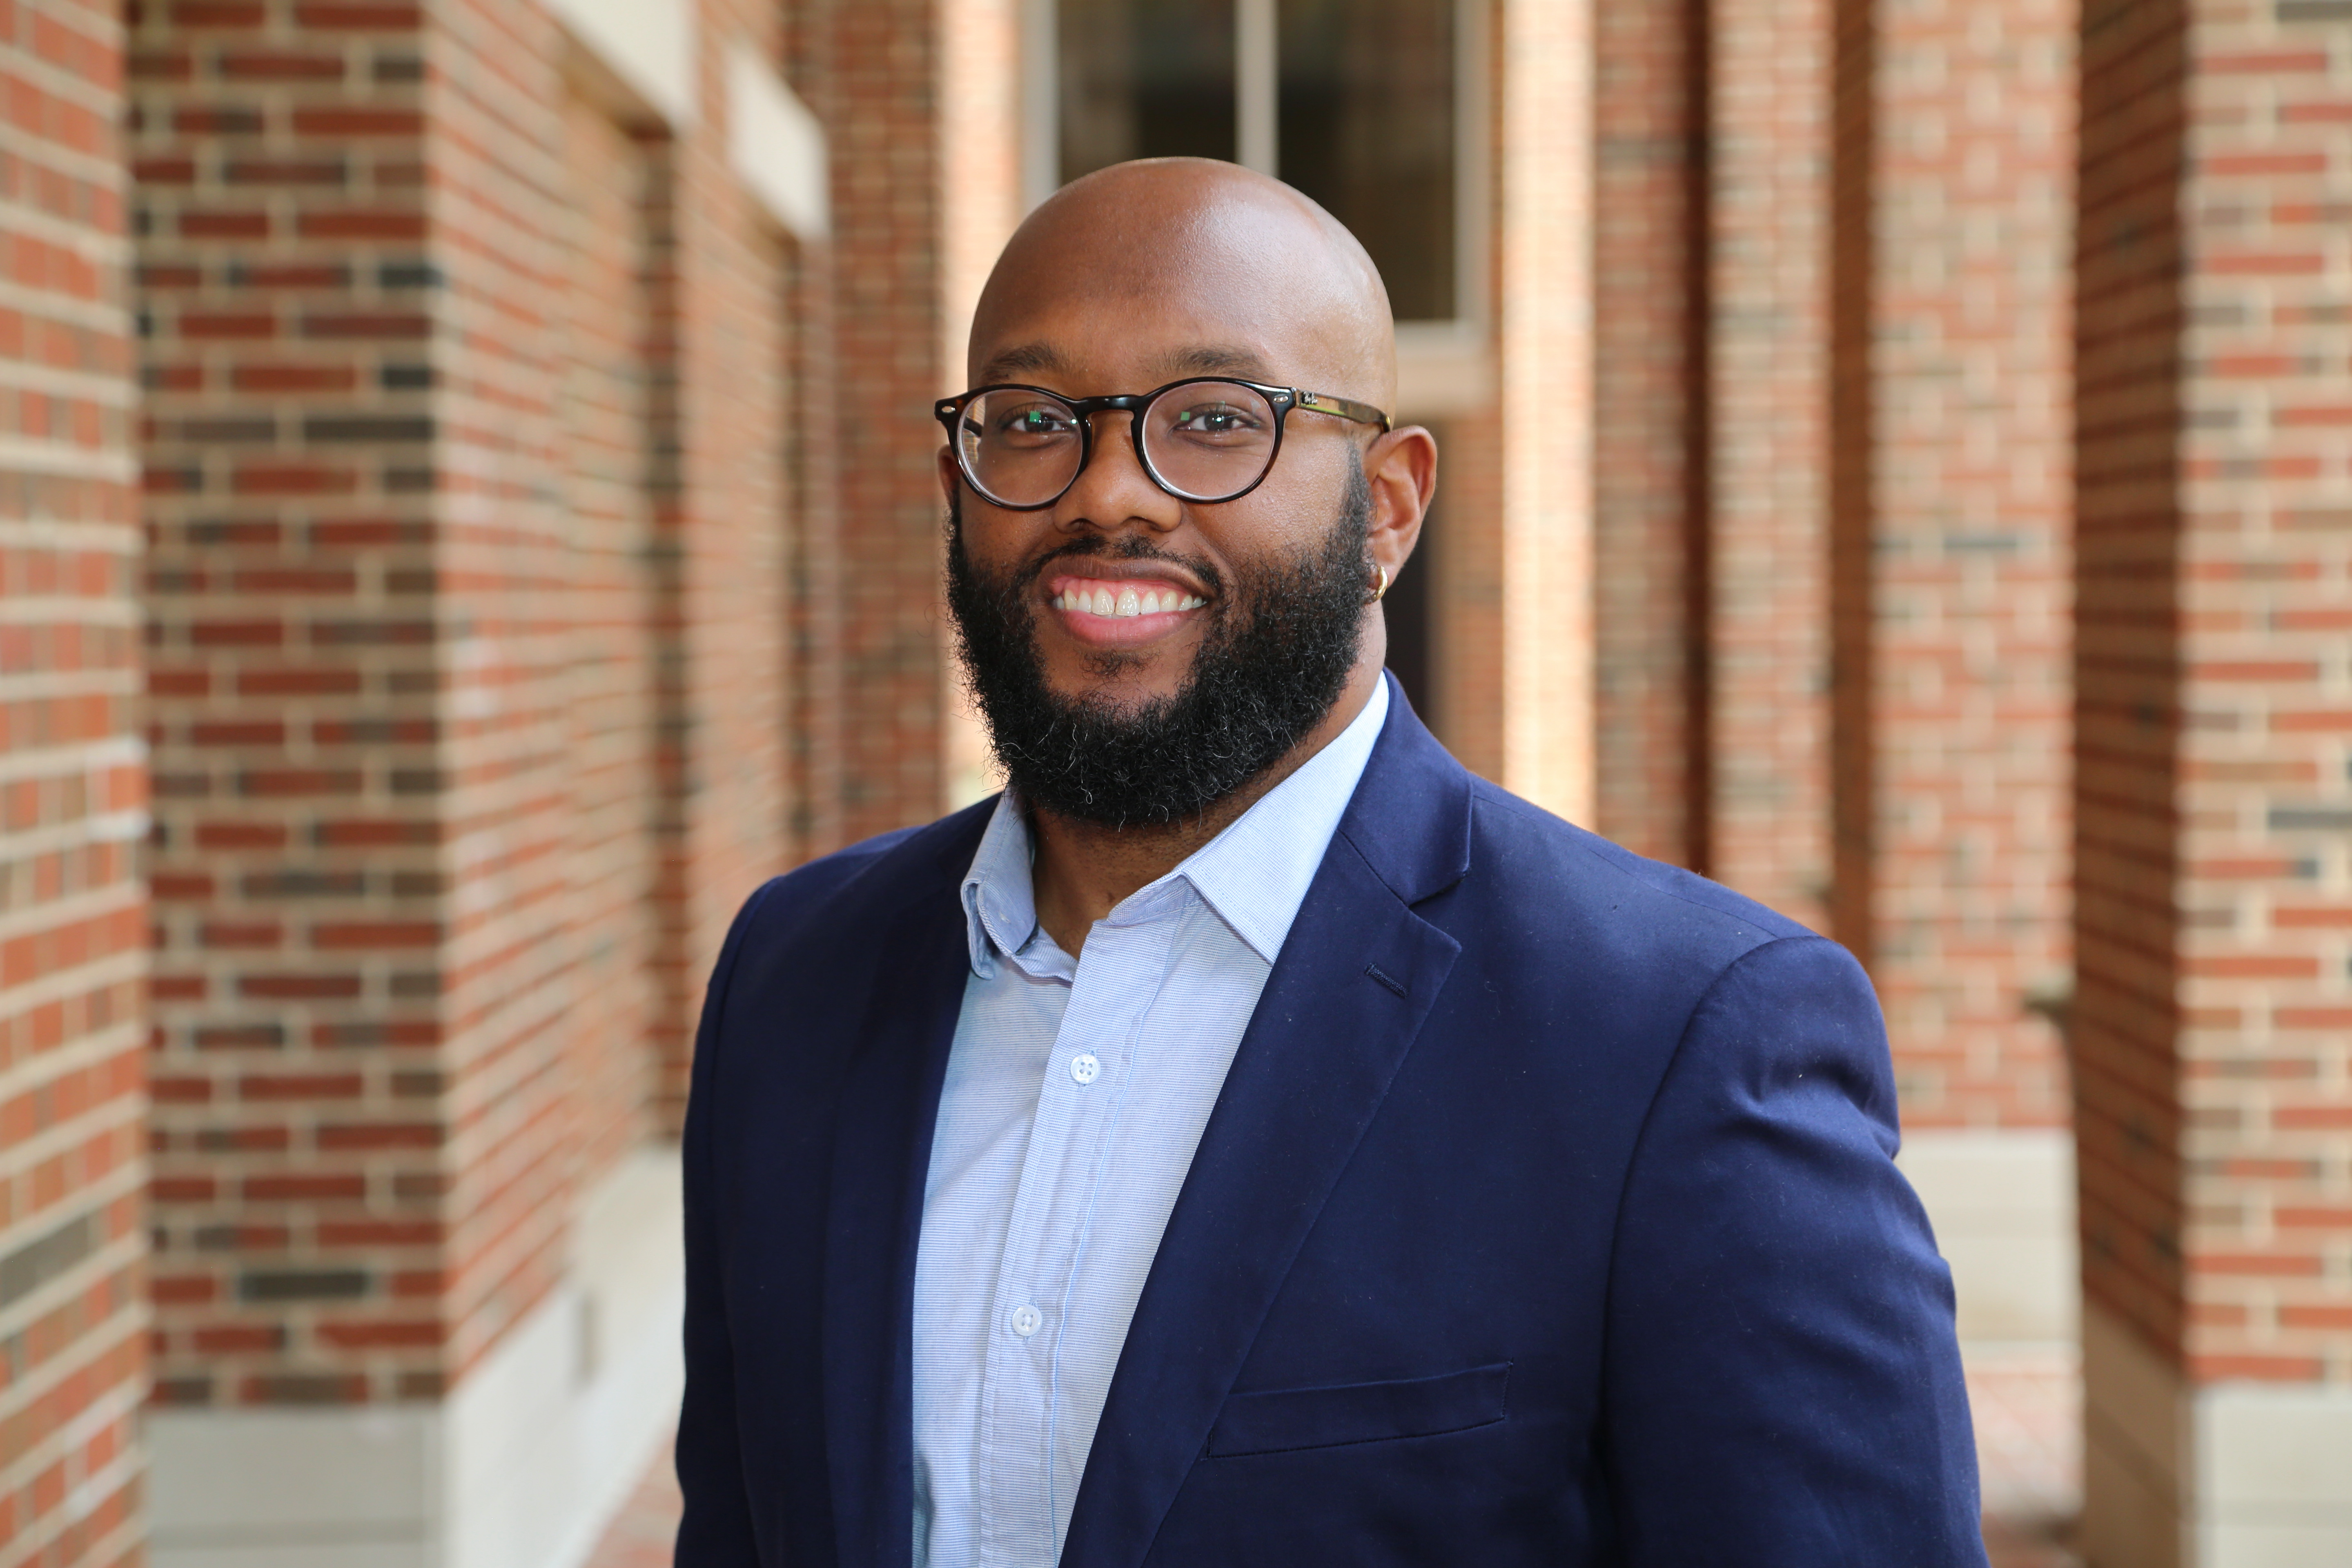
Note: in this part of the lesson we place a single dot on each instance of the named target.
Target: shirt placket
(1086, 1083)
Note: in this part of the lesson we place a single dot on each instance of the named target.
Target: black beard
(1273, 660)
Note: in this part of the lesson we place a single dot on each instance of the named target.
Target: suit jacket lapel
(889, 1102)
(1356, 975)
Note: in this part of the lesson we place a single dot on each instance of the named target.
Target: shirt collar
(1254, 874)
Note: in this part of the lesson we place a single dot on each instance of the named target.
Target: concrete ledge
(646, 45)
(2273, 1476)
(2003, 1203)
(2238, 1474)
(522, 1466)
(2135, 1450)
(776, 147)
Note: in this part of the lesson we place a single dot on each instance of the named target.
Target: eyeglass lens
(1204, 441)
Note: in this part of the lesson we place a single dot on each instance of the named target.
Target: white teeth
(1128, 602)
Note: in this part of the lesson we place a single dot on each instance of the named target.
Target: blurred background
(468, 516)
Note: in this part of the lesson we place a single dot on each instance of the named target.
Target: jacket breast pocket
(1282, 1420)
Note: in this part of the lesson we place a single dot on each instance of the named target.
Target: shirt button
(1027, 1319)
(1086, 1067)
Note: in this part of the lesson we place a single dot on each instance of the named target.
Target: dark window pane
(1367, 128)
(1144, 80)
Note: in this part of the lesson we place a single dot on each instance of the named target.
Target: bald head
(1228, 271)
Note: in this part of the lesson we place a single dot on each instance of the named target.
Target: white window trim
(1443, 367)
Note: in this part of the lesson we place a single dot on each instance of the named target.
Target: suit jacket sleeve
(1782, 1383)
(716, 1529)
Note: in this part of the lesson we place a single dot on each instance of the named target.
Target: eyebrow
(1023, 358)
(1206, 359)
(1212, 360)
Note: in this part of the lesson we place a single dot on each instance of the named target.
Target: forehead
(1111, 302)
(1145, 336)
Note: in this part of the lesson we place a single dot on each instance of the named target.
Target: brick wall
(734, 359)
(469, 582)
(1462, 553)
(1850, 278)
(2263, 586)
(1649, 437)
(2128, 711)
(2213, 492)
(603, 307)
(1962, 577)
(73, 793)
(883, 100)
(816, 683)
(1769, 424)
(1461, 548)
(286, 291)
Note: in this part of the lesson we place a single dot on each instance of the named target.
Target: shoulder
(1546, 875)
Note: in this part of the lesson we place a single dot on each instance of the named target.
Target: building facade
(466, 506)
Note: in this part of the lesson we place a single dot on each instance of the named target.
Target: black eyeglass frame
(950, 410)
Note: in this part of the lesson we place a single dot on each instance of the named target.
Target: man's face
(1138, 657)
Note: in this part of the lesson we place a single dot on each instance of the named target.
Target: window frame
(1443, 366)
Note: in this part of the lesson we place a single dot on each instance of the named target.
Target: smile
(1113, 600)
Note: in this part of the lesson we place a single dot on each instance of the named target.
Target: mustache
(1124, 547)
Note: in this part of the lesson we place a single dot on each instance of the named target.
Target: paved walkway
(2028, 1408)
(2025, 1403)
(641, 1536)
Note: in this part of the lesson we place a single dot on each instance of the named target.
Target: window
(1361, 104)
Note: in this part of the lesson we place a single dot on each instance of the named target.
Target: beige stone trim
(776, 147)
(522, 1466)
(1545, 332)
(647, 45)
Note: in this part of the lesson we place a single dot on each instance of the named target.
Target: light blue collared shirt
(1075, 1094)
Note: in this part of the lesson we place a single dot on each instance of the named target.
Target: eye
(1035, 421)
(1215, 419)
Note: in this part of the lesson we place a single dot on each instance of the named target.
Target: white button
(1027, 1319)
(1086, 1067)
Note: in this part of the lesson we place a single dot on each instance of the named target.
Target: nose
(1112, 488)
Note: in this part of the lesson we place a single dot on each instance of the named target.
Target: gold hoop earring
(1381, 591)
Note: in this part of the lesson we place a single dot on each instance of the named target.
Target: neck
(1082, 870)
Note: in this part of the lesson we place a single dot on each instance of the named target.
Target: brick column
(2215, 498)
(1769, 468)
(1951, 551)
(1969, 495)
(735, 521)
(297, 876)
(1650, 438)
(73, 1363)
(885, 97)
(466, 489)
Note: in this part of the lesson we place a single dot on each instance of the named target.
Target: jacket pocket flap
(1325, 1417)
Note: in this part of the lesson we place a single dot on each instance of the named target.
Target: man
(1252, 1138)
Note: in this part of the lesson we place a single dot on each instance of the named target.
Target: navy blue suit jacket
(1547, 1216)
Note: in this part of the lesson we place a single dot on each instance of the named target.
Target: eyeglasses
(1205, 440)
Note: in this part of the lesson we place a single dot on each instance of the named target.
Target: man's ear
(1401, 468)
(949, 475)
